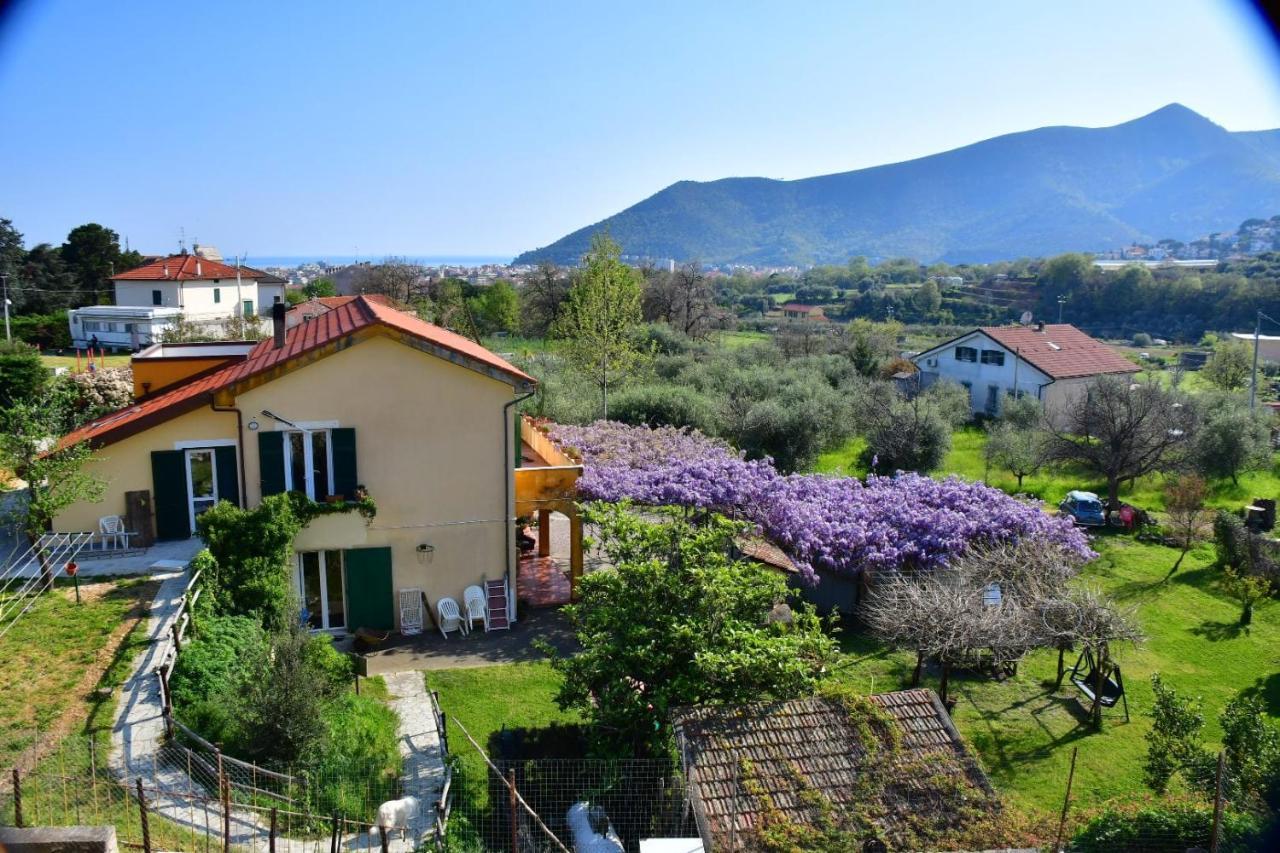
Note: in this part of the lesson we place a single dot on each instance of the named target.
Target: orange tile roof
(356, 313)
(183, 268)
(1061, 351)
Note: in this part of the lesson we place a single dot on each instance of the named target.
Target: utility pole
(5, 279)
(1253, 377)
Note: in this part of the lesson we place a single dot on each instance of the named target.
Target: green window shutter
(169, 485)
(224, 460)
(343, 442)
(370, 600)
(271, 462)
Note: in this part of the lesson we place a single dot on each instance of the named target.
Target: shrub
(663, 339)
(912, 436)
(1230, 540)
(47, 331)
(663, 405)
(252, 551)
(22, 375)
(210, 671)
(331, 666)
(285, 698)
(1172, 827)
(1142, 339)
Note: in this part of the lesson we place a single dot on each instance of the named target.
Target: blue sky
(490, 128)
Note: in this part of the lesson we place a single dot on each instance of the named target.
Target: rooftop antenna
(182, 240)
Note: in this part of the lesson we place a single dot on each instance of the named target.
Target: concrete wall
(58, 839)
(429, 448)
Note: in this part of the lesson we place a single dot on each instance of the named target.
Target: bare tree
(1123, 431)
(395, 278)
(544, 291)
(997, 602)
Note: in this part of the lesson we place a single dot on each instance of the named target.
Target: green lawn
(1024, 730)
(737, 340)
(487, 699)
(69, 361)
(57, 654)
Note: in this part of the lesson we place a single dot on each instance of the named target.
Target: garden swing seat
(1084, 675)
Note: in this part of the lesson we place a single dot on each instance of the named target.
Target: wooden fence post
(271, 838)
(177, 640)
(333, 833)
(224, 791)
(512, 805)
(142, 815)
(382, 838)
(17, 799)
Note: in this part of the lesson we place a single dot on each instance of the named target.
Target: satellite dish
(1026, 318)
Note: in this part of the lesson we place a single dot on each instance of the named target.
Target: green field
(69, 361)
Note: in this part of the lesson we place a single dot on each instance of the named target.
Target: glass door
(202, 482)
(321, 587)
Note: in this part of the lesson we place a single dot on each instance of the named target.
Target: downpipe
(508, 477)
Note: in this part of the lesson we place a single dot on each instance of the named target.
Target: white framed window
(308, 462)
(322, 589)
(202, 482)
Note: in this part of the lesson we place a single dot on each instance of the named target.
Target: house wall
(980, 376)
(1059, 397)
(195, 298)
(126, 465)
(268, 295)
(428, 448)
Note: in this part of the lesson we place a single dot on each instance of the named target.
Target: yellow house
(364, 398)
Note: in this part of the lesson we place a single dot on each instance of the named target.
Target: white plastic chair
(473, 600)
(450, 618)
(111, 527)
(411, 615)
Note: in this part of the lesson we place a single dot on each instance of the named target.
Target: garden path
(138, 745)
(423, 772)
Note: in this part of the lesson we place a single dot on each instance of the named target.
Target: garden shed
(850, 769)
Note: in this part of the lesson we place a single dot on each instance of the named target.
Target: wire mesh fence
(526, 806)
(168, 795)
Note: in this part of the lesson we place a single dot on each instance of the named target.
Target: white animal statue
(396, 814)
(592, 832)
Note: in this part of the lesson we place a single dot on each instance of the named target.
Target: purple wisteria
(824, 523)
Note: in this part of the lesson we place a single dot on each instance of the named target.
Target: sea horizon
(343, 260)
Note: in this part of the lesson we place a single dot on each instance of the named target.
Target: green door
(370, 599)
(169, 486)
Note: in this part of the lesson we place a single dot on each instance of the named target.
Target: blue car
(1084, 508)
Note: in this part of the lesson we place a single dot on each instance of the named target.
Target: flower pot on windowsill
(335, 499)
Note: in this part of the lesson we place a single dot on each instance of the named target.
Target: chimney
(166, 270)
(198, 274)
(277, 324)
(1040, 326)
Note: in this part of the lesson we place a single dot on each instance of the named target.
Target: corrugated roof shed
(807, 763)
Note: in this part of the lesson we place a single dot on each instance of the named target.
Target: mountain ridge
(1170, 173)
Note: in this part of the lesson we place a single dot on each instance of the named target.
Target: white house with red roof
(203, 289)
(150, 298)
(1055, 363)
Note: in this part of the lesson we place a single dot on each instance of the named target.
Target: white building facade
(1055, 364)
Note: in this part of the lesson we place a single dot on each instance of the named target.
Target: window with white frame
(308, 463)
